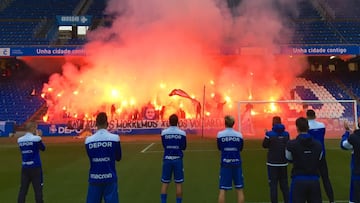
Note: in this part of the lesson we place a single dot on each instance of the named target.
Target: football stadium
(64, 61)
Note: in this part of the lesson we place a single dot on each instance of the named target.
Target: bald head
(31, 127)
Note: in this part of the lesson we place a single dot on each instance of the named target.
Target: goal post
(255, 116)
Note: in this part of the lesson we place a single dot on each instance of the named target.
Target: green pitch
(66, 167)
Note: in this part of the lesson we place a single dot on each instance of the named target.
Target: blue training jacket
(30, 145)
(174, 142)
(345, 145)
(317, 131)
(352, 142)
(306, 154)
(103, 149)
(276, 140)
(230, 143)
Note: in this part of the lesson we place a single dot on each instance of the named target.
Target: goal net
(256, 116)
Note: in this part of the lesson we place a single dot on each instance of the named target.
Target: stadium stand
(96, 9)
(22, 23)
(349, 30)
(22, 9)
(337, 24)
(19, 95)
(347, 10)
(25, 24)
(19, 33)
(329, 89)
(351, 83)
(315, 32)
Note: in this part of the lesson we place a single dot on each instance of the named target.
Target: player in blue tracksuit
(352, 142)
(317, 130)
(230, 143)
(31, 172)
(174, 142)
(276, 140)
(306, 155)
(103, 149)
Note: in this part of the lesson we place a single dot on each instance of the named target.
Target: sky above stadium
(156, 46)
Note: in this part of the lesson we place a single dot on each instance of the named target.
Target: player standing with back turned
(305, 153)
(174, 142)
(276, 140)
(351, 141)
(103, 149)
(30, 144)
(317, 131)
(230, 143)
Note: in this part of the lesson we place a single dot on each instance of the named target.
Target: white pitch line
(209, 150)
(191, 150)
(340, 201)
(148, 147)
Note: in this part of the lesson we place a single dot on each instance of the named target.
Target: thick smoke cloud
(155, 46)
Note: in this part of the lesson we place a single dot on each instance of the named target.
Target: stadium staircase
(4, 4)
(326, 22)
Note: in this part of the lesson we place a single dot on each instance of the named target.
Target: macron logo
(4, 51)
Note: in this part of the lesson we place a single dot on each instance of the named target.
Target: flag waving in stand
(196, 103)
(182, 93)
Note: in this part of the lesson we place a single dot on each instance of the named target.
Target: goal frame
(292, 101)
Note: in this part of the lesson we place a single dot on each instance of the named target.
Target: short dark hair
(173, 120)
(302, 124)
(229, 121)
(31, 126)
(101, 119)
(310, 114)
(276, 120)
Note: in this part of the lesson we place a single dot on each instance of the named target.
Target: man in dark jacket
(276, 140)
(351, 141)
(306, 154)
(318, 130)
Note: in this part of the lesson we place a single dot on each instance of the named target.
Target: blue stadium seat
(16, 102)
(345, 9)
